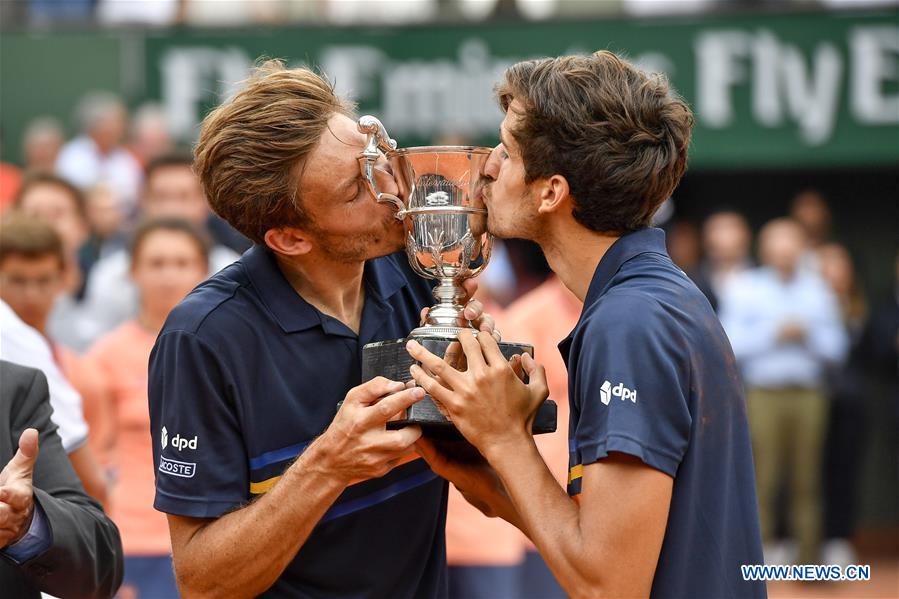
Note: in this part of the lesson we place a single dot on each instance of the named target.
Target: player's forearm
(549, 517)
(243, 553)
(495, 502)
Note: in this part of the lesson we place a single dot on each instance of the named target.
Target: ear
(554, 194)
(288, 241)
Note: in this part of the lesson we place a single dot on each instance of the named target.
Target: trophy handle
(378, 141)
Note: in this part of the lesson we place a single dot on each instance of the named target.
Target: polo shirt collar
(292, 312)
(649, 240)
(382, 277)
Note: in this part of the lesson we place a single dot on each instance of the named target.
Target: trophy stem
(445, 318)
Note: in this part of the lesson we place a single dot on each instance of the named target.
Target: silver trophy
(441, 204)
(440, 200)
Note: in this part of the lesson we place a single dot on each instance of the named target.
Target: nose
(491, 167)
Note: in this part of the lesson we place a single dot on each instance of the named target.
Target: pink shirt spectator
(88, 379)
(123, 355)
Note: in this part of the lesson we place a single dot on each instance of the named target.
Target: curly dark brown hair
(617, 134)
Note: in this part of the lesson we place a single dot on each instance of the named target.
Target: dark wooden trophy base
(391, 360)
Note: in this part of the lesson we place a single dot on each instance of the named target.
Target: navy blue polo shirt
(244, 375)
(652, 374)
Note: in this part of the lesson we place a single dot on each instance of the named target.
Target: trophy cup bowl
(440, 200)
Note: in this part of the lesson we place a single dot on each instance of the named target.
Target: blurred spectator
(202, 13)
(498, 283)
(225, 235)
(726, 244)
(488, 557)
(882, 335)
(41, 143)
(544, 317)
(839, 272)
(171, 190)
(785, 328)
(810, 210)
(880, 351)
(10, 181)
(150, 137)
(484, 554)
(27, 347)
(62, 205)
(663, 213)
(646, 8)
(47, 12)
(169, 258)
(156, 13)
(528, 265)
(684, 246)
(390, 12)
(32, 267)
(846, 427)
(97, 154)
(106, 221)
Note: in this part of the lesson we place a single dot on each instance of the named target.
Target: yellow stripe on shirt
(575, 473)
(264, 486)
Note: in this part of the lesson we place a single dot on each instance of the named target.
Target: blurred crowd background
(787, 219)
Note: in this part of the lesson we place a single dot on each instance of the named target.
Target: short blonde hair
(250, 152)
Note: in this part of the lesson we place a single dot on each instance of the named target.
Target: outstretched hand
(16, 490)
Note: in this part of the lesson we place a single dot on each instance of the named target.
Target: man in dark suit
(54, 538)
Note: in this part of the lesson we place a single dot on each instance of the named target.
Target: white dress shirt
(21, 344)
(81, 162)
(758, 303)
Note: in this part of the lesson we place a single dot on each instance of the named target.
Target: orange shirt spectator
(169, 257)
(473, 539)
(89, 380)
(123, 355)
(544, 317)
(10, 180)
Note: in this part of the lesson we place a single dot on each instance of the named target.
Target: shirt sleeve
(198, 451)
(34, 542)
(631, 386)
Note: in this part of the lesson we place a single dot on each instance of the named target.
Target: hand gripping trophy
(440, 201)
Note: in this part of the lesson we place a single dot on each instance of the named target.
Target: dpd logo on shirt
(178, 442)
(607, 392)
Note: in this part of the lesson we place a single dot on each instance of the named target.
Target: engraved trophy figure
(440, 201)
